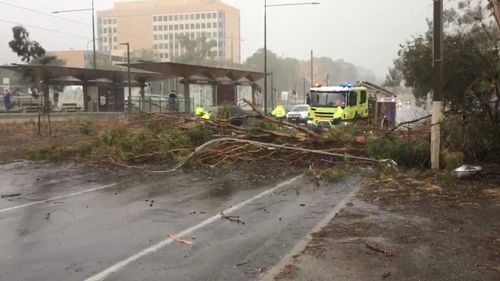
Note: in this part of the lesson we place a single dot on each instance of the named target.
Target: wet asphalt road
(118, 228)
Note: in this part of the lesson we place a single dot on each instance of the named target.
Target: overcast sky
(364, 32)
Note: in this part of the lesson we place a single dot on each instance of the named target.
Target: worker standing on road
(279, 111)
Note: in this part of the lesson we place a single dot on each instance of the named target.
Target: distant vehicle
(339, 103)
(299, 114)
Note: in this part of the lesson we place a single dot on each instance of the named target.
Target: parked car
(299, 114)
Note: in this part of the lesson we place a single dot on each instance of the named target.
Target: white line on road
(120, 265)
(299, 248)
(57, 198)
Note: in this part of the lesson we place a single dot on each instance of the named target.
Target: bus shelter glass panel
(202, 95)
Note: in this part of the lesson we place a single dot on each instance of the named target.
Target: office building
(158, 25)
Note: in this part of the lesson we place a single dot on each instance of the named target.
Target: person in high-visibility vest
(279, 112)
(200, 112)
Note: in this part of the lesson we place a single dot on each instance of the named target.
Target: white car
(298, 114)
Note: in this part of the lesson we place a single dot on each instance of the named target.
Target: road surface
(74, 224)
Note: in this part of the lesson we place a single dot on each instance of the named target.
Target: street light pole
(129, 78)
(93, 35)
(265, 42)
(265, 57)
(93, 27)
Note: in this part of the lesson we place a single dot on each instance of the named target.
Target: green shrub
(405, 152)
(452, 160)
(199, 135)
(334, 175)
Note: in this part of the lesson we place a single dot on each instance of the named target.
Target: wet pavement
(70, 224)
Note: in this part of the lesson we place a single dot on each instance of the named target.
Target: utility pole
(312, 68)
(305, 94)
(93, 36)
(129, 79)
(437, 104)
(265, 57)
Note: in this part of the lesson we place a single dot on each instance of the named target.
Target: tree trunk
(495, 6)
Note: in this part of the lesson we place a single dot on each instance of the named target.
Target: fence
(160, 104)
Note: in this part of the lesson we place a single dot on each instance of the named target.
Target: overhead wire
(42, 13)
(46, 29)
(63, 18)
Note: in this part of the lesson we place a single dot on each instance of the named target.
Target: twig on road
(232, 218)
(11, 195)
(186, 242)
(383, 252)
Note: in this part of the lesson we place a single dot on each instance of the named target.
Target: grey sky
(364, 32)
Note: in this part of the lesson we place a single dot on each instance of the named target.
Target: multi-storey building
(160, 24)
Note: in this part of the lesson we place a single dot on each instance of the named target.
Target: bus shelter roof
(58, 75)
(192, 73)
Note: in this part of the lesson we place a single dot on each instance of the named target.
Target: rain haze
(364, 32)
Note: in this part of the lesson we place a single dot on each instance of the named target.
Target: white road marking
(57, 198)
(120, 265)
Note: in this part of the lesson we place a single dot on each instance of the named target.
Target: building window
(181, 17)
(192, 16)
(171, 45)
(192, 26)
(160, 37)
(221, 24)
(209, 15)
(155, 37)
(209, 25)
(214, 15)
(155, 28)
(114, 29)
(176, 17)
(197, 16)
(176, 27)
(221, 34)
(203, 16)
(166, 55)
(160, 18)
(203, 25)
(171, 36)
(170, 27)
(155, 18)
(160, 27)
(197, 26)
(105, 30)
(161, 55)
(221, 15)
(186, 26)
(192, 35)
(165, 18)
(105, 39)
(170, 18)
(181, 27)
(214, 34)
(155, 46)
(165, 27)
